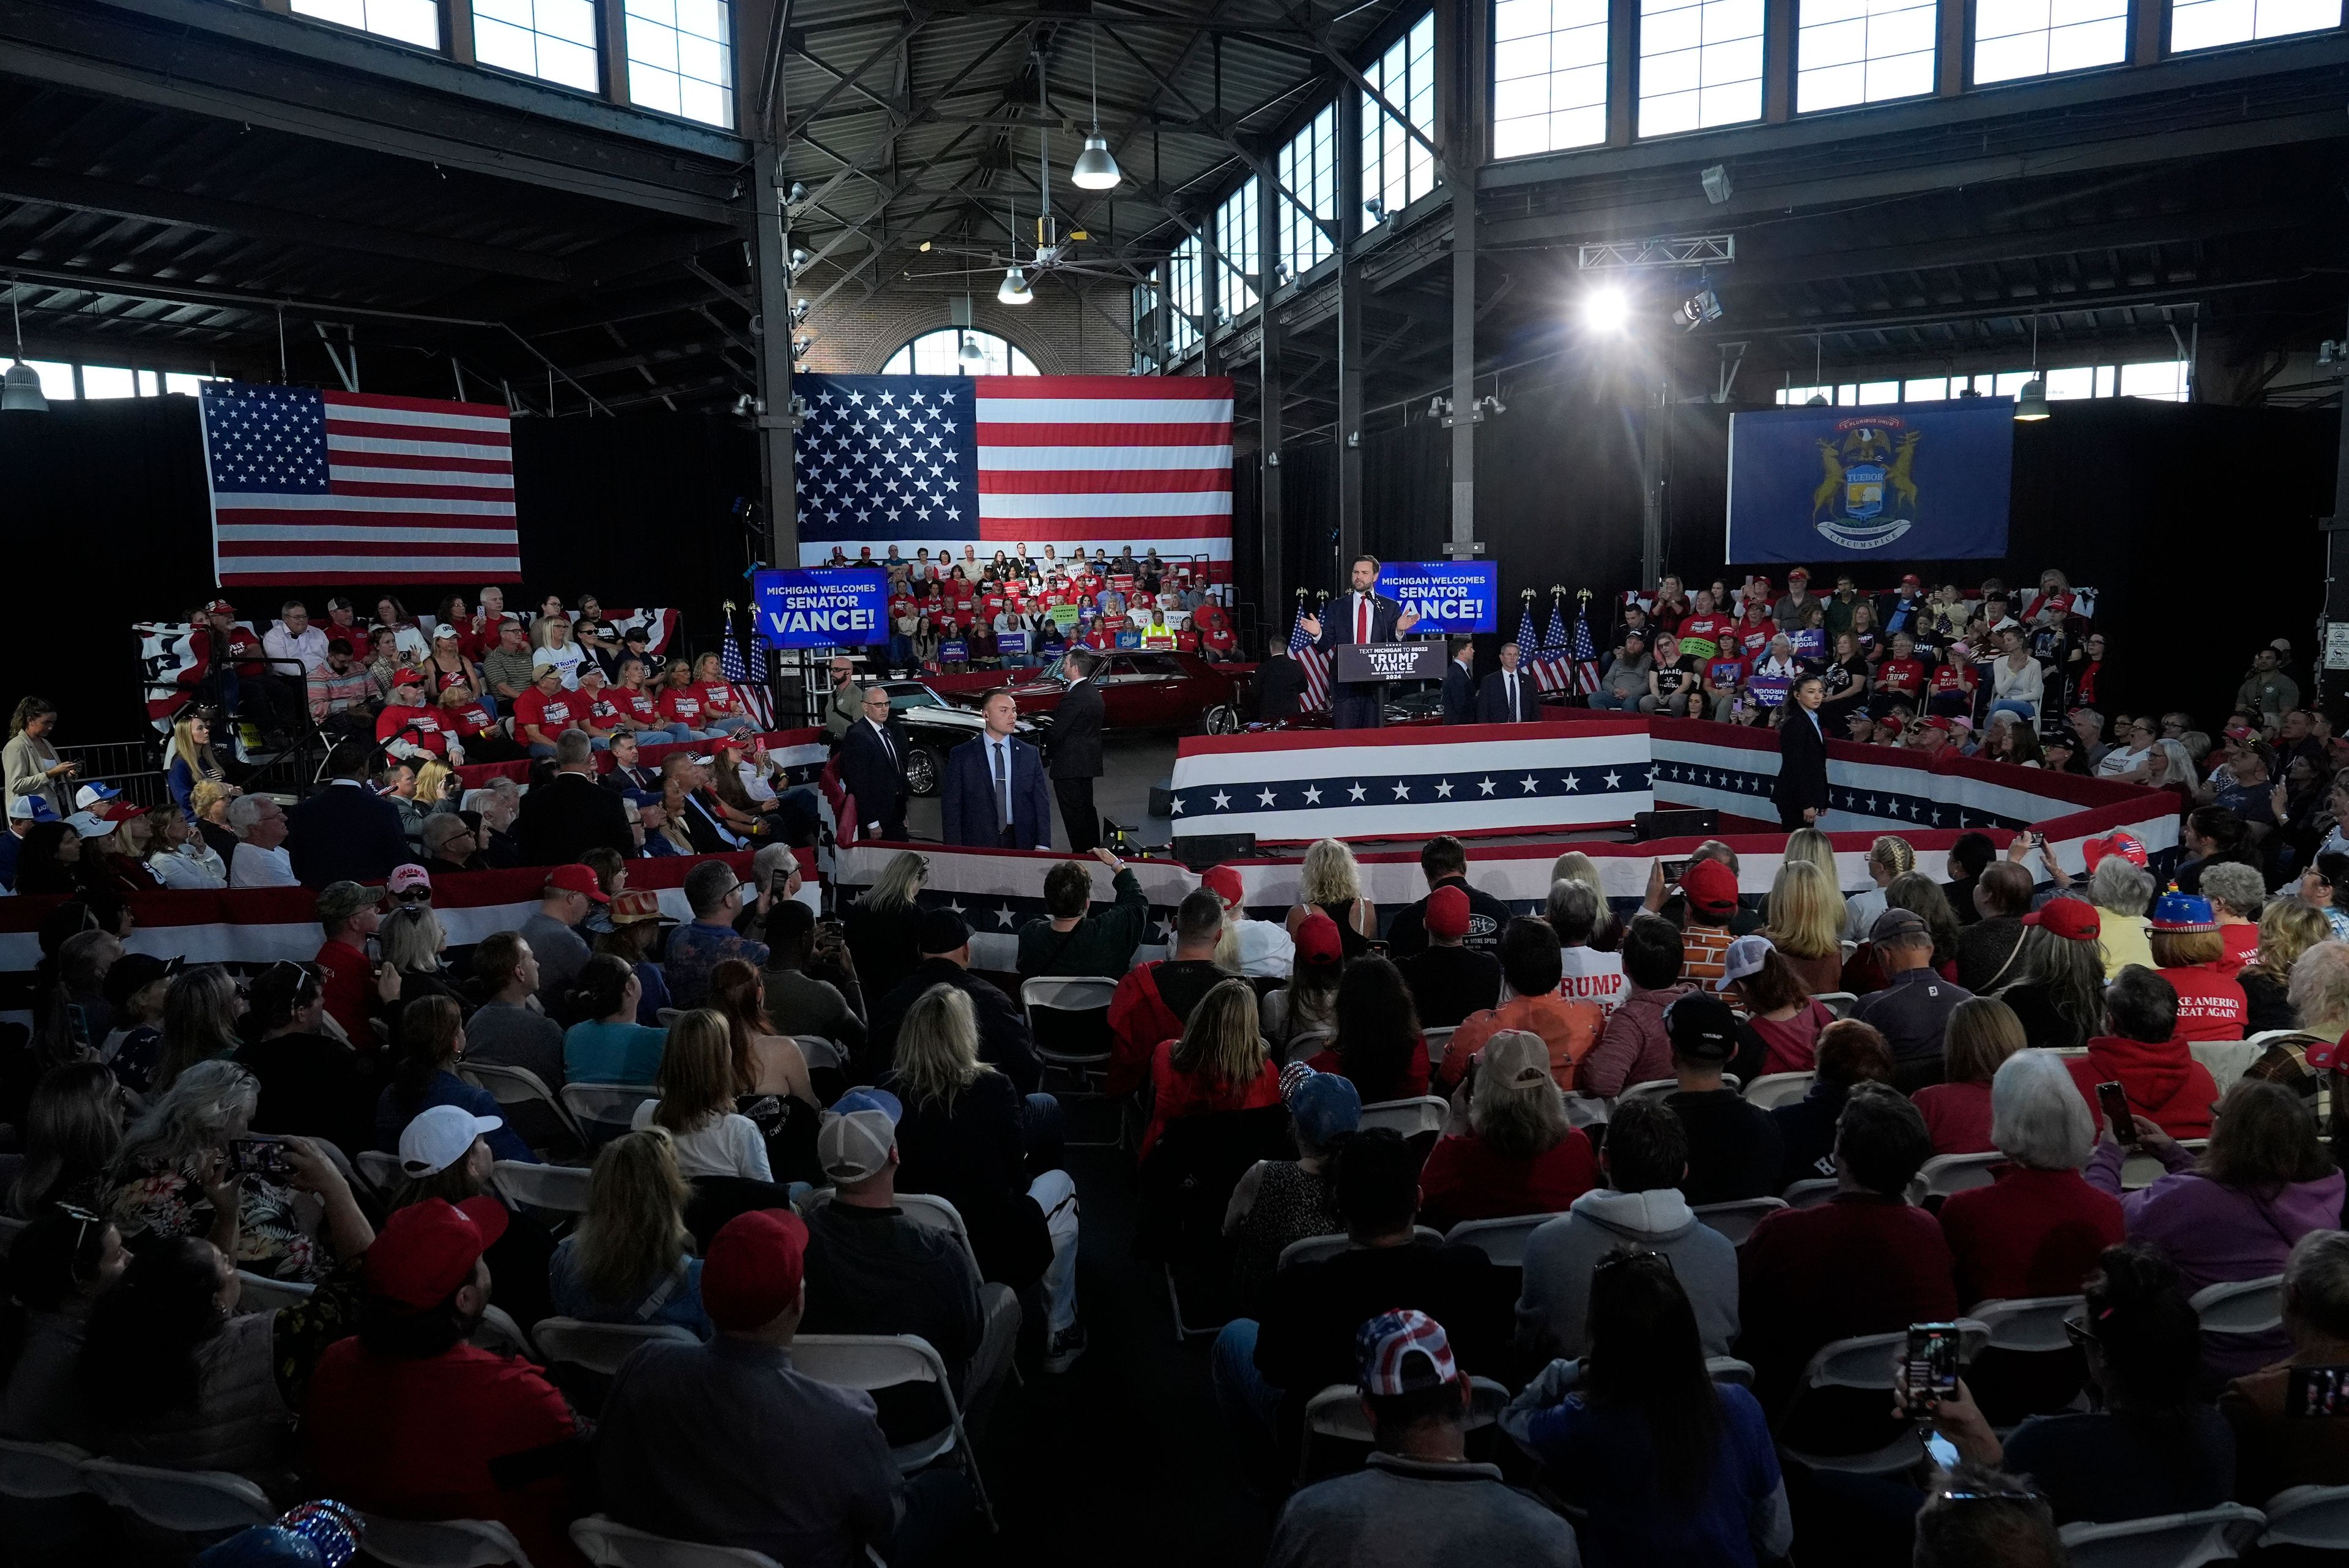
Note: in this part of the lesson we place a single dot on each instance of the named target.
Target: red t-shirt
(2242, 940)
(473, 718)
(1754, 636)
(600, 712)
(1464, 1179)
(425, 727)
(2209, 1004)
(349, 987)
(1906, 676)
(716, 698)
(1703, 629)
(1951, 677)
(637, 703)
(681, 705)
(551, 715)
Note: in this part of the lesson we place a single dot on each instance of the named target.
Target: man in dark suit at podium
(1460, 683)
(1362, 615)
(1509, 696)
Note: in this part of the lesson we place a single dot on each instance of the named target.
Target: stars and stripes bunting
(1316, 663)
(308, 484)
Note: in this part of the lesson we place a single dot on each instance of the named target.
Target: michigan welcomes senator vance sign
(818, 607)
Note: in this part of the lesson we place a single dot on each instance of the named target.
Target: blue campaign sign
(956, 651)
(1129, 638)
(1011, 642)
(1450, 595)
(819, 606)
(1922, 481)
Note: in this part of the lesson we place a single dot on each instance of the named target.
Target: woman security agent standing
(1219, 1065)
(1332, 883)
(30, 760)
(1671, 1466)
(1518, 1154)
(631, 1260)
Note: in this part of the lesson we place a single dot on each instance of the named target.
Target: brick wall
(1063, 335)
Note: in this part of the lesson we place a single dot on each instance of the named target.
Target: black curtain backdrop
(2197, 523)
(108, 524)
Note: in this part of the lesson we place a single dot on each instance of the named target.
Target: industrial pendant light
(1014, 290)
(1095, 168)
(20, 388)
(967, 352)
(2032, 402)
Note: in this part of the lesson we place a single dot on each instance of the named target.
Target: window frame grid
(592, 48)
(1866, 18)
(1551, 75)
(1304, 245)
(1643, 63)
(1396, 169)
(1236, 244)
(632, 61)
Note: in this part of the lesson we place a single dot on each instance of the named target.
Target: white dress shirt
(257, 867)
(310, 648)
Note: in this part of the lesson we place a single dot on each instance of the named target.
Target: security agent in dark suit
(1075, 760)
(994, 793)
(347, 832)
(873, 768)
(570, 814)
(1460, 683)
(1280, 684)
(629, 773)
(1509, 697)
(1801, 792)
(1362, 615)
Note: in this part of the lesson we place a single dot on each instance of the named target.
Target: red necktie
(1361, 618)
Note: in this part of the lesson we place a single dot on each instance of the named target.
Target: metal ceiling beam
(906, 30)
(149, 204)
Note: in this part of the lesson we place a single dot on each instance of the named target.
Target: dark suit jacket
(1003, 1038)
(1337, 619)
(1493, 702)
(345, 834)
(877, 779)
(620, 780)
(1459, 694)
(568, 815)
(1279, 686)
(1076, 733)
(970, 812)
(1802, 763)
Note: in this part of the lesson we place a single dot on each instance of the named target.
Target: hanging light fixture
(1095, 168)
(2031, 403)
(20, 388)
(1014, 290)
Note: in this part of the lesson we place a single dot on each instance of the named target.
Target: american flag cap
(1403, 1351)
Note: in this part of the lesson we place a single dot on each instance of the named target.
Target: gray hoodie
(1560, 1255)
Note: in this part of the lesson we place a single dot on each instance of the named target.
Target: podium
(1362, 663)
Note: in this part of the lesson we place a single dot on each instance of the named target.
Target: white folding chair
(1437, 1041)
(2166, 1541)
(1774, 1089)
(608, 1543)
(1736, 1220)
(1812, 1193)
(1307, 1043)
(1312, 1249)
(1648, 1089)
(499, 1333)
(600, 1346)
(1868, 1363)
(183, 1502)
(442, 1543)
(1336, 1413)
(382, 1171)
(1502, 1241)
(1068, 1022)
(1409, 1118)
(875, 1361)
(819, 1053)
(607, 1105)
(1729, 1369)
(34, 1471)
(2311, 1516)
(926, 1210)
(2028, 1325)
(257, 1294)
(1947, 1173)
(1840, 1002)
(2140, 1170)
(519, 1086)
(559, 1187)
(2249, 1308)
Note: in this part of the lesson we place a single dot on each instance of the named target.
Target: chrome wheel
(922, 765)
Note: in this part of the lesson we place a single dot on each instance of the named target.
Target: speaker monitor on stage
(1200, 850)
(1698, 822)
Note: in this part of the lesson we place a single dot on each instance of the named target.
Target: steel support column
(1271, 389)
(772, 259)
(1460, 63)
(1350, 337)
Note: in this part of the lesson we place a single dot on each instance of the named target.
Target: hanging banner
(1907, 482)
(819, 608)
(1458, 597)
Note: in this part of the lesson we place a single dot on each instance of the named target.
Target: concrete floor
(1131, 761)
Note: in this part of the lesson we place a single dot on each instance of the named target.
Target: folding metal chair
(2313, 1516)
(197, 1503)
(609, 1109)
(875, 1361)
(257, 1292)
(1336, 1413)
(1812, 1193)
(2166, 1541)
(382, 1171)
(1067, 1019)
(1312, 1249)
(600, 1347)
(1866, 1363)
(1736, 1220)
(442, 1543)
(519, 1086)
(559, 1187)
(609, 1543)
(1502, 1241)
(1774, 1089)
(33, 1472)
(1410, 1117)
(1947, 1173)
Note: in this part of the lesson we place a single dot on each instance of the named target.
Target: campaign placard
(1450, 595)
(819, 606)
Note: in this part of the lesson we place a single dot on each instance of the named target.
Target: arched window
(939, 354)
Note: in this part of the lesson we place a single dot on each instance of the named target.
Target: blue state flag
(1905, 482)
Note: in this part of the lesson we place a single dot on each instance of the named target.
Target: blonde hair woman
(631, 1260)
(1809, 844)
(2288, 929)
(1219, 1064)
(190, 760)
(1519, 1154)
(1983, 1032)
(964, 1135)
(882, 926)
(696, 1106)
(1332, 882)
(1805, 923)
(1887, 858)
(1574, 865)
(432, 784)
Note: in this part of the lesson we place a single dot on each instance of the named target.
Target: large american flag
(1315, 662)
(1548, 657)
(1002, 461)
(308, 484)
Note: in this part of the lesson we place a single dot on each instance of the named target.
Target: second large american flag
(1002, 461)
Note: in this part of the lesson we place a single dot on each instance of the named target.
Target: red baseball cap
(750, 1274)
(426, 1250)
(1224, 882)
(1447, 913)
(577, 879)
(2074, 920)
(1710, 887)
(1318, 941)
(219, 607)
(2323, 1056)
(2125, 844)
(408, 677)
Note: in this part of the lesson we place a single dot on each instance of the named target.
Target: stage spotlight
(1717, 188)
(1698, 309)
(1606, 310)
